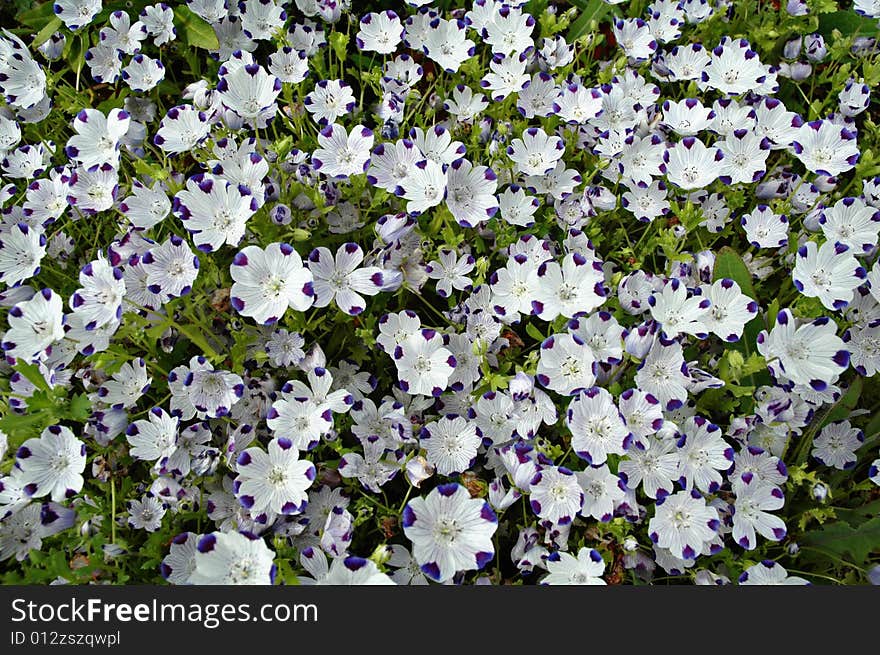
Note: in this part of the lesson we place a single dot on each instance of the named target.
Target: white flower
(51, 465)
(342, 153)
(684, 524)
(450, 531)
(556, 495)
(97, 138)
(836, 445)
(829, 272)
(231, 558)
(769, 572)
(451, 444)
(566, 569)
(424, 364)
(535, 153)
(274, 481)
(597, 428)
(214, 210)
(340, 279)
(754, 501)
(34, 325)
(266, 282)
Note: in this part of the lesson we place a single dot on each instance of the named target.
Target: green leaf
(842, 540)
(729, 264)
(38, 17)
(194, 30)
(848, 23)
(591, 10)
(534, 332)
(33, 375)
(846, 404)
(48, 30)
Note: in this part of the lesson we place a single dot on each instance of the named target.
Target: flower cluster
(422, 295)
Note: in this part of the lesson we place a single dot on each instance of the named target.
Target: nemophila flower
(555, 495)
(677, 312)
(470, 193)
(535, 153)
(536, 99)
(641, 412)
(646, 201)
(94, 190)
(764, 228)
(329, 101)
(635, 38)
(729, 311)
(450, 271)
(768, 572)
(24, 531)
(733, 68)
(182, 129)
(289, 65)
(158, 19)
(424, 364)
(301, 421)
(566, 569)
(664, 374)
(854, 98)
(52, 464)
(811, 353)
(261, 18)
(451, 444)
(684, 524)
(170, 268)
(836, 445)
(652, 463)
(122, 34)
(642, 159)
(852, 222)
(446, 43)
(863, 343)
(343, 154)
(390, 164)
(424, 187)
(602, 333)
(126, 386)
(602, 491)
(97, 137)
(507, 75)
(154, 438)
(22, 80)
(214, 210)
(76, 14)
(509, 31)
(178, 564)
(105, 63)
(146, 206)
(826, 148)
(574, 288)
(394, 329)
(99, 300)
(464, 104)
(567, 365)
(450, 531)
(268, 281)
(213, 393)
(703, 454)
(751, 513)
(517, 207)
(745, 157)
(232, 558)
(690, 164)
(373, 469)
(596, 426)
(341, 279)
(147, 513)
(828, 272)
(755, 465)
(274, 480)
(346, 571)
(379, 32)
(143, 73)
(22, 248)
(437, 145)
(248, 89)
(686, 117)
(576, 104)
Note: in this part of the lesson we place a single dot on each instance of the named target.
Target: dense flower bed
(310, 291)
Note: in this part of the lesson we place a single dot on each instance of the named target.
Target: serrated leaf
(194, 30)
(843, 540)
